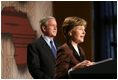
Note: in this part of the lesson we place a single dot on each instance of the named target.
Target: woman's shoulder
(64, 47)
(64, 50)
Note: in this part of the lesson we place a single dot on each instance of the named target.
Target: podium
(103, 70)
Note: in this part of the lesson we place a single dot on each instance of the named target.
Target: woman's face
(78, 34)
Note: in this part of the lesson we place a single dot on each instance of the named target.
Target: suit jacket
(67, 58)
(40, 59)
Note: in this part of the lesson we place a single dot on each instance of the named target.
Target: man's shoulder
(36, 41)
(57, 43)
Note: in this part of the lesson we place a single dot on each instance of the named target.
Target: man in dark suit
(41, 54)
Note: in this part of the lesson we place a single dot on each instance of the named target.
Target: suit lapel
(81, 55)
(80, 58)
(47, 49)
(56, 44)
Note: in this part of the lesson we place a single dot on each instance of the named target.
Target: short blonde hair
(70, 23)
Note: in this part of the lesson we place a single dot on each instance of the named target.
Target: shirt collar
(46, 38)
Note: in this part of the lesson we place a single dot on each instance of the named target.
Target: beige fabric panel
(35, 11)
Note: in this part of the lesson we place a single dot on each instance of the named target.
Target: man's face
(51, 29)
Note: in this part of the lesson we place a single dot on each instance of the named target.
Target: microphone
(113, 43)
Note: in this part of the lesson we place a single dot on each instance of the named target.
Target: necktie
(53, 49)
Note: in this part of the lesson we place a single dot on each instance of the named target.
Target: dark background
(98, 15)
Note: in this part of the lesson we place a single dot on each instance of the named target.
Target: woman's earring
(70, 34)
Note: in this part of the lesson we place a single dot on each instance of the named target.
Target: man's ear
(43, 28)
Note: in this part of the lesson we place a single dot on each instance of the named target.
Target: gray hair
(44, 21)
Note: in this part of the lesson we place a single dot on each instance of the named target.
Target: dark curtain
(105, 29)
